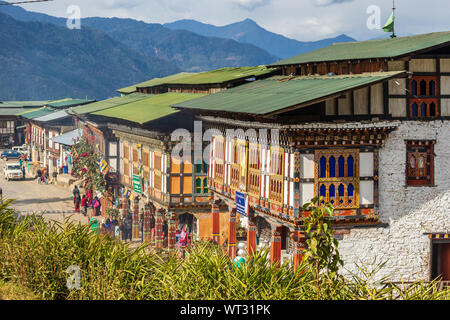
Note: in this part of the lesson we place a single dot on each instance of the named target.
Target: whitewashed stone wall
(409, 211)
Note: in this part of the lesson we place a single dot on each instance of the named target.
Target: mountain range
(40, 58)
(248, 31)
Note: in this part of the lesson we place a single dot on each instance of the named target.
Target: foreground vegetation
(35, 254)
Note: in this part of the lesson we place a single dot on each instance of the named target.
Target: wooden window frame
(219, 159)
(416, 149)
(427, 99)
(254, 169)
(337, 201)
(276, 179)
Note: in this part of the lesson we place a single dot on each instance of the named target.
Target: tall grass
(36, 255)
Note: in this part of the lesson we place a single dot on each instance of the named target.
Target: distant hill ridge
(248, 31)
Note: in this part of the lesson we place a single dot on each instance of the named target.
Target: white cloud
(305, 20)
(250, 4)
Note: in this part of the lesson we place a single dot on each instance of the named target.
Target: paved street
(52, 201)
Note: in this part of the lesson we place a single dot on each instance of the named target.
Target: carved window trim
(420, 152)
(335, 179)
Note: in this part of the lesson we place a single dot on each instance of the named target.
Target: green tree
(86, 166)
(321, 253)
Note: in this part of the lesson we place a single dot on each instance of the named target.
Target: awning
(68, 138)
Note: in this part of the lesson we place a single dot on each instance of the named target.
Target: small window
(420, 163)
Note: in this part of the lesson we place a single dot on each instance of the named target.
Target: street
(51, 201)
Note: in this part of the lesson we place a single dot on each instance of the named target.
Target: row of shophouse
(365, 125)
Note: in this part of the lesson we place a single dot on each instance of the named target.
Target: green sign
(137, 183)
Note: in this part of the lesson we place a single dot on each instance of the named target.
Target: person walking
(84, 205)
(75, 191)
(23, 172)
(45, 175)
(96, 205)
(77, 201)
(39, 175)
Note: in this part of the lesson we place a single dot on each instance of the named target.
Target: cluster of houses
(235, 153)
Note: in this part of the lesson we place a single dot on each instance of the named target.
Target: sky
(304, 20)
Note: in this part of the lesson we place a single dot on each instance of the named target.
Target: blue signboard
(241, 205)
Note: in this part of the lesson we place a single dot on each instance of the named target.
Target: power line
(20, 2)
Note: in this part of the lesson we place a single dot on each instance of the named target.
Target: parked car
(13, 171)
(10, 154)
(22, 149)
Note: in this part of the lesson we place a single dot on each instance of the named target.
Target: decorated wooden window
(201, 168)
(157, 164)
(126, 153)
(420, 163)
(337, 177)
(158, 180)
(423, 101)
(254, 169)
(219, 159)
(238, 167)
(201, 185)
(276, 177)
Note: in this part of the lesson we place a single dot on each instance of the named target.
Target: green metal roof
(154, 82)
(207, 77)
(22, 104)
(153, 107)
(65, 103)
(11, 111)
(384, 48)
(35, 113)
(108, 103)
(278, 93)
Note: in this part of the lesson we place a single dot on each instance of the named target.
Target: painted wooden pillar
(147, 230)
(158, 229)
(215, 223)
(171, 242)
(299, 240)
(251, 236)
(275, 247)
(135, 219)
(232, 249)
(124, 207)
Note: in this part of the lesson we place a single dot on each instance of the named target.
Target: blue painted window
(423, 109)
(350, 163)
(341, 190)
(415, 109)
(332, 193)
(351, 189)
(323, 191)
(332, 167)
(414, 88)
(341, 163)
(323, 167)
(432, 88)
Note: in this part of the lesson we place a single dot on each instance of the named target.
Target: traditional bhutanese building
(366, 126)
(11, 124)
(44, 124)
(142, 122)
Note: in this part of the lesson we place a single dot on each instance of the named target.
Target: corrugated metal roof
(154, 82)
(69, 103)
(22, 104)
(35, 113)
(53, 116)
(207, 77)
(10, 111)
(384, 48)
(108, 103)
(68, 138)
(149, 109)
(278, 93)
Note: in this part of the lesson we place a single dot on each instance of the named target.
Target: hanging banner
(137, 183)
